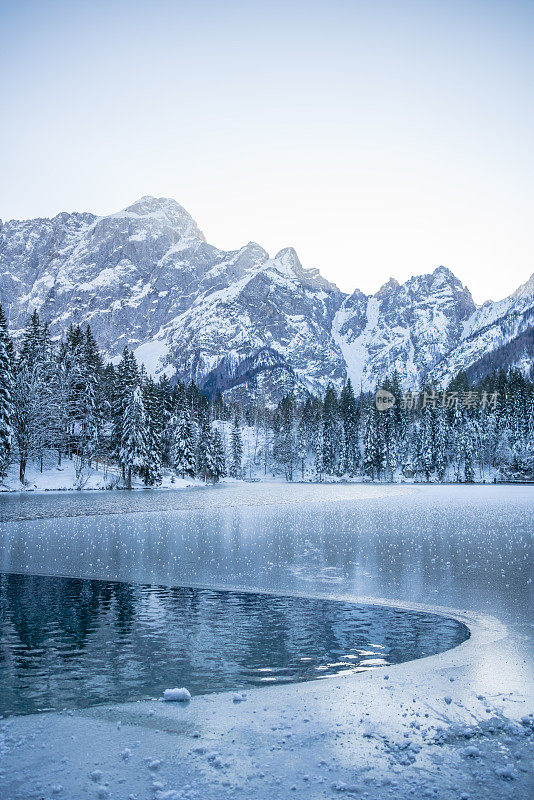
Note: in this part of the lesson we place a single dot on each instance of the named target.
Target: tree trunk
(22, 469)
(129, 477)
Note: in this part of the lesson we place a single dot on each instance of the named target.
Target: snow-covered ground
(459, 725)
(69, 476)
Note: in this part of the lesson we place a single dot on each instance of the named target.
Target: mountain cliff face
(407, 328)
(146, 278)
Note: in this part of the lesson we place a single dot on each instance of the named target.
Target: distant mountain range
(146, 278)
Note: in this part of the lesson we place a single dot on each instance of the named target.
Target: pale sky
(377, 138)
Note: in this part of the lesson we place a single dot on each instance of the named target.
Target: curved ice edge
(173, 732)
(483, 629)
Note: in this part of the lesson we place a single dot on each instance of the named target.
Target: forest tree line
(62, 396)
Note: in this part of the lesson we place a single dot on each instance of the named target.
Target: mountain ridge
(145, 277)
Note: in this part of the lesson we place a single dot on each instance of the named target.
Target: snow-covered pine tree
(126, 380)
(284, 449)
(33, 388)
(440, 444)
(80, 369)
(372, 444)
(319, 449)
(90, 427)
(154, 431)
(424, 459)
(308, 420)
(205, 453)
(302, 447)
(331, 432)
(236, 455)
(219, 458)
(6, 405)
(72, 356)
(95, 406)
(183, 444)
(133, 449)
(349, 418)
(469, 451)
(8, 341)
(267, 438)
(165, 391)
(458, 441)
(391, 441)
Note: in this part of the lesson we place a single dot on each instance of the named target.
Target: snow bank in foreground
(360, 736)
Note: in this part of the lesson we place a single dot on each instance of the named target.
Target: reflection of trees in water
(41, 608)
(250, 629)
(105, 641)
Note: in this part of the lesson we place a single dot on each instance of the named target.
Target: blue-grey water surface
(69, 642)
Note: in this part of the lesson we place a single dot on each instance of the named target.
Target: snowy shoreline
(68, 477)
(398, 722)
(179, 484)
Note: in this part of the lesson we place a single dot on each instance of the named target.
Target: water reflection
(71, 642)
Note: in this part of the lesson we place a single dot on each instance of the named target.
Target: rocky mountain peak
(389, 288)
(146, 278)
(526, 289)
(164, 210)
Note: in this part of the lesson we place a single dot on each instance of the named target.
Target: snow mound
(182, 695)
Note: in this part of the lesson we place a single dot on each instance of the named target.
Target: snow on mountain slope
(272, 303)
(489, 327)
(146, 278)
(406, 328)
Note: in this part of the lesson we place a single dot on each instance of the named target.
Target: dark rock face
(147, 279)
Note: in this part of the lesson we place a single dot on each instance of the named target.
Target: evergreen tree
(133, 449)
(205, 452)
(424, 452)
(237, 450)
(440, 444)
(285, 444)
(350, 458)
(6, 406)
(469, 454)
(8, 341)
(154, 432)
(33, 394)
(302, 448)
(183, 446)
(219, 458)
(126, 380)
(331, 432)
(319, 449)
(372, 444)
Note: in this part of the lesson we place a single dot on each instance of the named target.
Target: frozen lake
(462, 547)
(466, 547)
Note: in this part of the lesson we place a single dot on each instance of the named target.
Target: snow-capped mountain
(407, 328)
(488, 328)
(146, 278)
